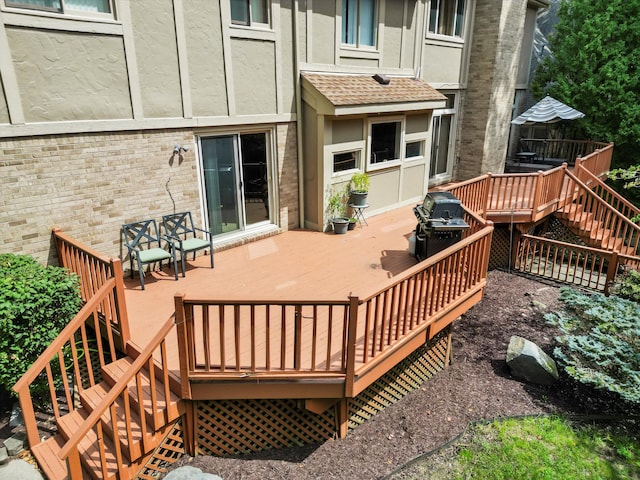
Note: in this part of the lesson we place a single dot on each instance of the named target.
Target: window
(441, 138)
(345, 161)
(413, 149)
(359, 22)
(63, 6)
(249, 12)
(385, 142)
(446, 17)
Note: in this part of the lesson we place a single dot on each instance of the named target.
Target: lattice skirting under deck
(233, 427)
(167, 453)
(402, 379)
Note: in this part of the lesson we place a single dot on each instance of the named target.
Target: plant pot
(340, 225)
(352, 223)
(359, 199)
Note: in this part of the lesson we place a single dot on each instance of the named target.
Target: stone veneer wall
(495, 50)
(90, 184)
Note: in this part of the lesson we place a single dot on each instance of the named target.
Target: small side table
(358, 213)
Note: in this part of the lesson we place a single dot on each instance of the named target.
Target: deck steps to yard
(109, 459)
(593, 232)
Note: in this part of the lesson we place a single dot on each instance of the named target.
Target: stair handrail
(21, 387)
(116, 390)
(619, 198)
(570, 196)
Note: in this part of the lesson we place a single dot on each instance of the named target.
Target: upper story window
(250, 12)
(446, 17)
(359, 23)
(64, 6)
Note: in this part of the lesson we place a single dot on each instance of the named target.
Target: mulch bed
(476, 387)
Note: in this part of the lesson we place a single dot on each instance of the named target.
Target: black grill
(440, 223)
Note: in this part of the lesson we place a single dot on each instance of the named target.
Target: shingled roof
(343, 90)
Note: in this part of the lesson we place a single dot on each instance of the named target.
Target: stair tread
(116, 370)
(88, 447)
(46, 453)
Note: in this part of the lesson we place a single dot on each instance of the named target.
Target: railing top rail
(574, 246)
(438, 257)
(62, 337)
(464, 183)
(611, 191)
(78, 246)
(257, 302)
(115, 391)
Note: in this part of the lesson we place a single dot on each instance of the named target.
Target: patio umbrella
(547, 110)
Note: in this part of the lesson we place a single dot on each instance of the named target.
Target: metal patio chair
(144, 244)
(179, 228)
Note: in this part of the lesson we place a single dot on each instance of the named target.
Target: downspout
(299, 148)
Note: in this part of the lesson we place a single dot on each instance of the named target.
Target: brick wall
(90, 184)
(495, 50)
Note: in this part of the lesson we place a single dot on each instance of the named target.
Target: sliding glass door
(235, 175)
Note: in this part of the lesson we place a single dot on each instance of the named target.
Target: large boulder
(528, 362)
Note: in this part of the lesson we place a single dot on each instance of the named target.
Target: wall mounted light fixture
(179, 148)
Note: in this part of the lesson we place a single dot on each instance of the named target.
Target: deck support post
(612, 270)
(183, 346)
(189, 427)
(352, 338)
(342, 411)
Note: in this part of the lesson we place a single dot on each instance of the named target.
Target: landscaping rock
(16, 419)
(15, 444)
(528, 362)
(190, 473)
(4, 456)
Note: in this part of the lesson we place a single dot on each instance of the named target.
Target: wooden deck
(295, 265)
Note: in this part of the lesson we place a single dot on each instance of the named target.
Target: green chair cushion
(191, 244)
(154, 255)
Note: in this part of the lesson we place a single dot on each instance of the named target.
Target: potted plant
(359, 189)
(336, 208)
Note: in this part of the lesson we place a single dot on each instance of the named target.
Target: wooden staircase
(591, 215)
(127, 440)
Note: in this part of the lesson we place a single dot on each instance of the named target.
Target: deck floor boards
(294, 265)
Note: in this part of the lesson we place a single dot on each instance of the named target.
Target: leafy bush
(627, 285)
(36, 302)
(600, 345)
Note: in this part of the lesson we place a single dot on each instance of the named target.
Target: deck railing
(567, 150)
(73, 361)
(604, 191)
(567, 262)
(329, 339)
(94, 270)
(596, 218)
(147, 413)
(70, 364)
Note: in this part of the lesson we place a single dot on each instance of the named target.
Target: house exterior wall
(90, 108)
(493, 69)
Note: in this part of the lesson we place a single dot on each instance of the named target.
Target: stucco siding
(392, 47)
(413, 182)
(323, 32)
(287, 87)
(70, 76)
(441, 64)
(254, 76)
(157, 58)
(206, 59)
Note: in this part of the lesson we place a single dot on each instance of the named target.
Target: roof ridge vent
(381, 79)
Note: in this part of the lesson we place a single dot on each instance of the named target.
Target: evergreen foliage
(594, 67)
(600, 345)
(627, 285)
(36, 303)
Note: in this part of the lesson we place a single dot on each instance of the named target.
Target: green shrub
(600, 345)
(627, 285)
(36, 302)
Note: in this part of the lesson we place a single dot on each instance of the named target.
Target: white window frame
(350, 171)
(400, 143)
(357, 44)
(17, 6)
(252, 23)
(452, 113)
(438, 10)
(415, 138)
